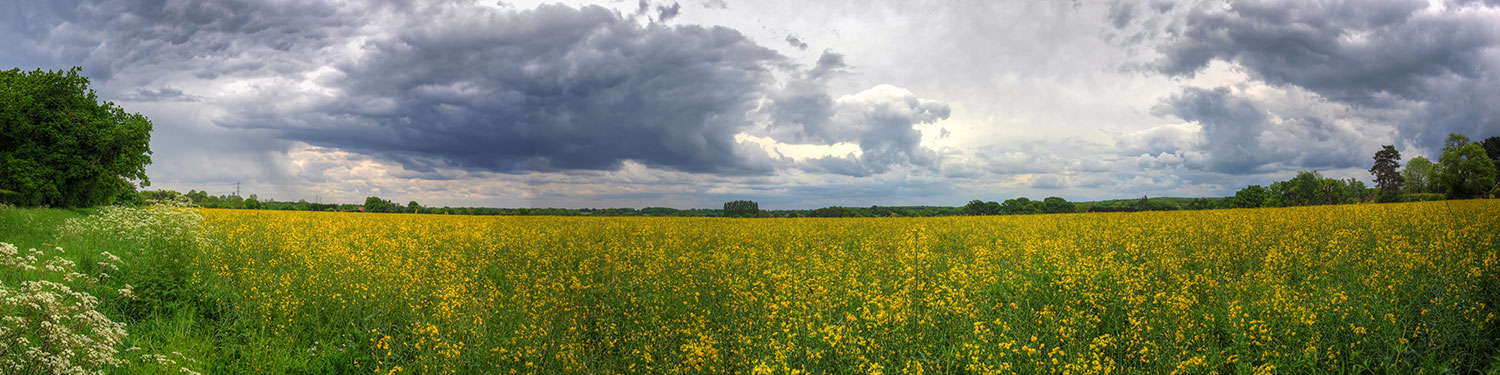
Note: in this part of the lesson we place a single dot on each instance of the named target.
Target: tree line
(1465, 170)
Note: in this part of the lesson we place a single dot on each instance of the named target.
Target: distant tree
(1020, 206)
(62, 147)
(1057, 205)
(741, 208)
(834, 211)
(1201, 204)
(979, 207)
(1465, 172)
(159, 194)
(1347, 191)
(375, 204)
(1417, 177)
(1307, 188)
(1386, 169)
(1250, 197)
(413, 207)
(252, 203)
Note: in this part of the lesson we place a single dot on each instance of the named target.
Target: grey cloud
(1240, 135)
(880, 120)
(1231, 126)
(1049, 181)
(1368, 54)
(1120, 13)
(796, 42)
(1162, 6)
(164, 94)
(829, 63)
(667, 13)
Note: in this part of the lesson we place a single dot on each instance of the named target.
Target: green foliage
(1419, 175)
(1202, 204)
(413, 207)
(1454, 142)
(1020, 206)
(1465, 171)
(834, 211)
(1311, 188)
(252, 203)
(1492, 149)
(375, 204)
(61, 147)
(1057, 205)
(1250, 197)
(978, 207)
(741, 208)
(1387, 163)
(1302, 190)
(1387, 196)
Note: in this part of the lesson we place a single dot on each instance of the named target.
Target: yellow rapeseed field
(1384, 288)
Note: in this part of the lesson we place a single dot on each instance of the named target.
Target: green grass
(31, 228)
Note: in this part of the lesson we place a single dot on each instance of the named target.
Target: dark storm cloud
(1231, 127)
(1240, 136)
(554, 88)
(455, 85)
(1439, 65)
(149, 38)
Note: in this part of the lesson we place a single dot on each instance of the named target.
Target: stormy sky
(789, 103)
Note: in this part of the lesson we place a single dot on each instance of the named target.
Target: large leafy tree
(1464, 170)
(1387, 177)
(60, 146)
(1418, 175)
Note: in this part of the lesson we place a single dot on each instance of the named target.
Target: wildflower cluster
(51, 322)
